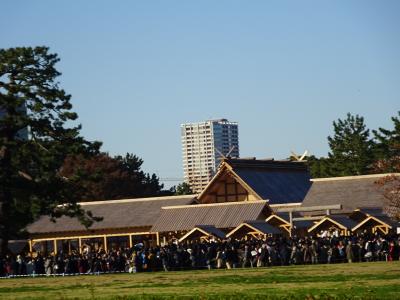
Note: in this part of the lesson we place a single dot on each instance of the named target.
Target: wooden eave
(325, 220)
(90, 232)
(371, 218)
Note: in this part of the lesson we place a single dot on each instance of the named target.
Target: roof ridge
(353, 177)
(138, 200)
(216, 204)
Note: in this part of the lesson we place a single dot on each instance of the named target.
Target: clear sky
(283, 69)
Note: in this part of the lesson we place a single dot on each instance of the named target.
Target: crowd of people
(207, 254)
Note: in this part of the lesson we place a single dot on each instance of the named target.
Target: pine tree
(102, 177)
(183, 189)
(350, 147)
(31, 100)
(387, 145)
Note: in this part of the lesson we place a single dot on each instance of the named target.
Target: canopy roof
(372, 221)
(204, 230)
(220, 215)
(254, 226)
(341, 221)
(126, 213)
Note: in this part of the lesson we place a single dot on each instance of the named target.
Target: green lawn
(379, 280)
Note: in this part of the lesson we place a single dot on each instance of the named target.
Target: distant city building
(204, 144)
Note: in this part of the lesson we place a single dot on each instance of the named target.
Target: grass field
(379, 280)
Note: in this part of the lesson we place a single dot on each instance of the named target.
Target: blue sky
(283, 69)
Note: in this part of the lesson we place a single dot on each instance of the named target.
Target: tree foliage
(30, 98)
(351, 150)
(102, 177)
(387, 146)
(387, 153)
(183, 189)
(350, 147)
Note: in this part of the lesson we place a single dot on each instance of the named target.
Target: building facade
(203, 145)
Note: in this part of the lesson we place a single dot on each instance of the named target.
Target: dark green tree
(30, 184)
(319, 167)
(350, 147)
(183, 189)
(102, 177)
(387, 142)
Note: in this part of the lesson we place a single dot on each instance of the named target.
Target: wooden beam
(90, 236)
(309, 208)
(55, 246)
(308, 218)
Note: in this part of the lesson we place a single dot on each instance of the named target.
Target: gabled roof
(302, 224)
(361, 214)
(275, 181)
(258, 226)
(125, 213)
(372, 221)
(351, 192)
(220, 215)
(207, 230)
(342, 221)
(279, 218)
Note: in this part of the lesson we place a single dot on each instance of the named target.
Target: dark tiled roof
(212, 230)
(343, 220)
(351, 193)
(221, 215)
(277, 181)
(300, 224)
(371, 221)
(264, 227)
(125, 213)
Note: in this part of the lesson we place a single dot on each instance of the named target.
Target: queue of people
(207, 255)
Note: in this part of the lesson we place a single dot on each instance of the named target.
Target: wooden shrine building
(125, 222)
(245, 197)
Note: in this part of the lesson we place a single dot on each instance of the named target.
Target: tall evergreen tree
(351, 147)
(183, 189)
(102, 177)
(387, 145)
(319, 167)
(30, 98)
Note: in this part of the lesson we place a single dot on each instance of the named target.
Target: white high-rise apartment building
(202, 145)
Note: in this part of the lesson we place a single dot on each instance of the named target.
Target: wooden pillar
(55, 246)
(158, 238)
(291, 223)
(328, 212)
(130, 241)
(105, 242)
(30, 246)
(80, 245)
(164, 240)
